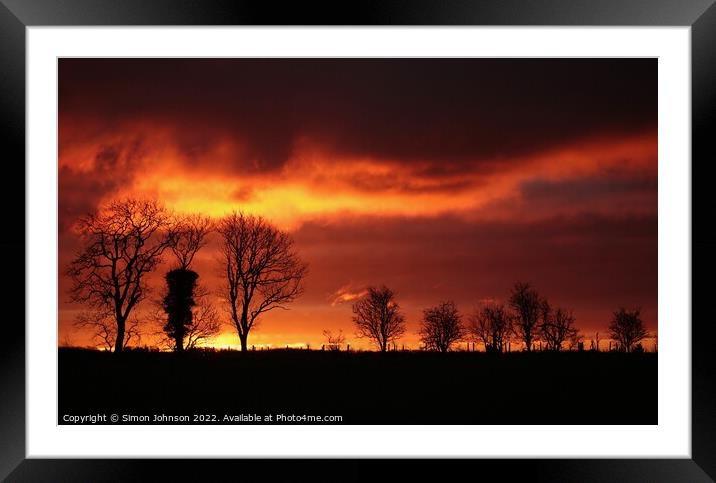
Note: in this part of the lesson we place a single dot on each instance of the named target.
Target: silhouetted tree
(192, 231)
(104, 329)
(441, 327)
(123, 242)
(335, 341)
(178, 303)
(67, 341)
(527, 306)
(492, 326)
(377, 317)
(627, 328)
(263, 271)
(205, 323)
(556, 326)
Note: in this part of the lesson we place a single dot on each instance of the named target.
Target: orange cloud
(315, 184)
(346, 294)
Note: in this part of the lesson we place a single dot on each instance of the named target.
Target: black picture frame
(16, 15)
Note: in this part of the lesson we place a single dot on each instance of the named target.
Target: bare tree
(441, 327)
(377, 317)
(104, 329)
(205, 324)
(123, 242)
(335, 341)
(191, 236)
(67, 341)
(205, 321)
(263, 270)
(492, 326)
(627, 328)
(527, 306)
(556, 327)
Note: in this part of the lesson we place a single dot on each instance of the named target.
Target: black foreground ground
(360, 387)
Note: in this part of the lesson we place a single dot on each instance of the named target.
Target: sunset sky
(441, 178)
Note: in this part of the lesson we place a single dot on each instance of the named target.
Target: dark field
(364, 387)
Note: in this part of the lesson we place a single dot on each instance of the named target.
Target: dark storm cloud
(616, 193)
(449, 111)
(580, 190)
(113, 167)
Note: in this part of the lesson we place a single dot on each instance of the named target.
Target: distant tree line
(527, 318)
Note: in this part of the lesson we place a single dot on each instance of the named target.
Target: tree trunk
(119, 341)
(179, 344)
(244, 339)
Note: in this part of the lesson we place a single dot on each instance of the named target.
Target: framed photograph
(426, 231)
